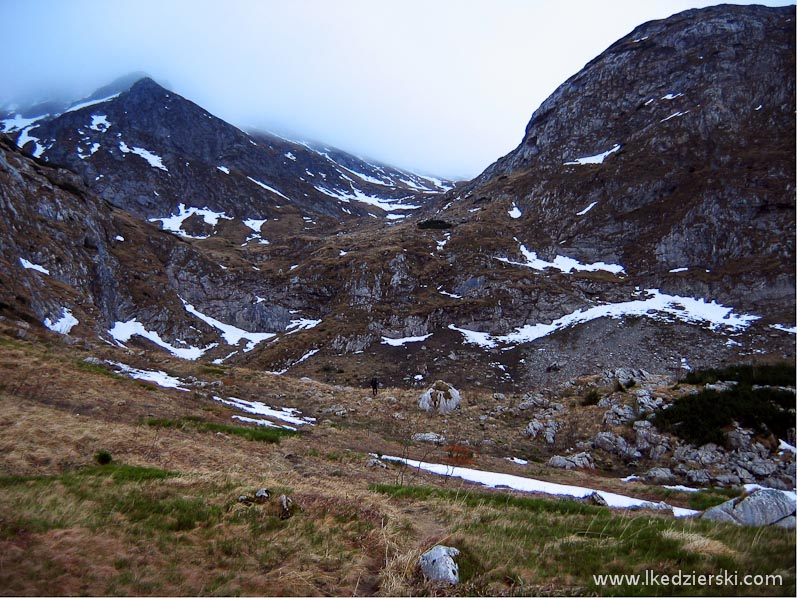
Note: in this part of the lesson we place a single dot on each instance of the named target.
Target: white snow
(119, 238)
(174, 223)
(154, 160)
(160, 378)
(482, 339)
(596, 159)
(671, 96)
(562, 263)
(92, 150)
(759, 107)
(304, 357)
(99, 122)
(64, 324)
(680, 488)
(88, 103)
(673, 116)
(524, 484)
(785, 446)
(124, 331)
(357, 195)
(447, 294)
(11, 125)
(398, 342)
(515, 211)
(517, 461)
(587, 209)
(255, 224)
(31, 266)
(657, 305)
(262, 422)
(782, 328)
(231, 334)
(224, 169)
(285, 414)
(342, 253)
(267, 188)
(301, 324)
(25, 137)
(676, 270)
(290, 156)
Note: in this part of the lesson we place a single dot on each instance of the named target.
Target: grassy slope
(163, 517)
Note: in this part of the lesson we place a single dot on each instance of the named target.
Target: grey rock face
(441, 397)
(432, 437)
(438, 565)
(617, 445)
(546, 426)
(619, 414)
(660, 475)
(759, 508)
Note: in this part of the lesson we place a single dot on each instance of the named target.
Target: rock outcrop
(438, 565)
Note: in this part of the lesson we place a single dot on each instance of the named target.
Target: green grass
(529, 545)
(98, 369)
(256, 434)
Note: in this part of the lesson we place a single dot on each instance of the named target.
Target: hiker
(374, 385)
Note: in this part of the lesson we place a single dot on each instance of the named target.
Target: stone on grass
(440, 397)
(438, 565)
(761, 507)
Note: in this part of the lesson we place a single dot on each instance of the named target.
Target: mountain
(148, 150)
(645, 221)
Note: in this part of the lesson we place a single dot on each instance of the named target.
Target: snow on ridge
(267, 188)
(596, 159)
(64, 324)
(224, 169)
(524, 484)
(231, 334)
(357, 195)
(301, 324)
(782, 328)
(561, 263)
(255, 224)
(122, 332)
(88, 103)
(31, 266)
(399, 342)
(38, 146)
(99, 122)
(154, 160)
(657, 305)
(674, 115)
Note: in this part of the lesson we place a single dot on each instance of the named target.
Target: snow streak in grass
(174, 223)
(267, 188)
(284, 414)
(524, 484)
(160, 378)
(587, 209)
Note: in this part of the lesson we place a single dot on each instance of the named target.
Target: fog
(442, 87)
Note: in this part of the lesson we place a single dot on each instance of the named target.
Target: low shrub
(103, 457)
(434, 224)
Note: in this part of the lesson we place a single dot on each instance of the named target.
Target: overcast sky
(439, 86)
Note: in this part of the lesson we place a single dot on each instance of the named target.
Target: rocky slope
(646, 221)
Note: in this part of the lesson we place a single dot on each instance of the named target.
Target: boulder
(579, 460)
(761, 507)
(649, 441)
(440, 397)
(595, 499)
(438, 565)
(617, 445)
(429, 437)
(646, 403)
(547, 427)
(660, 475)
(262, 495)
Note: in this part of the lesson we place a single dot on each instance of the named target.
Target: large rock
(438, 565)
(617, 445)
(619, 414)
(432, 437)
(547, 427)
(440, 397)
(579, 460)
(759, 508)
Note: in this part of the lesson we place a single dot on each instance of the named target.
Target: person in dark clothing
(374, 385)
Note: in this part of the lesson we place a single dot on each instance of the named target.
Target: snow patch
(398, 342)
(124, 331)
(64, 324)
(587, 209)
(673, 116)
(285, 414)
(231, 334)
(31, 266)
(174, 223)
(267, 188)
(515, 211)
(88, 103)
(596, 159)
(154, 160)
(561, 263)
(224, 169)
(160, 378)
(99, 122)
